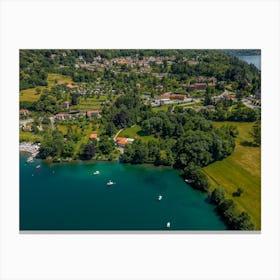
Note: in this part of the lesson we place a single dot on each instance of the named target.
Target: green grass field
(241, 169)
(31, 95)
(25, 136)
(136, 133)
(163, 108)
(62, 128)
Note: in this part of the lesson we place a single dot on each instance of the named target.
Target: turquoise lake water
(69, 197)
(251, 59)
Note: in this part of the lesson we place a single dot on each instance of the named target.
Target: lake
(251, 59)
(68, 196)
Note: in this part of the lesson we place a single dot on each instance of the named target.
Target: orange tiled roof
(121, 140)
(93, 136)
(165, 95)
(71, 86)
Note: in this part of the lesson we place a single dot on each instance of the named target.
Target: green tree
(68, 149)
(243, 222)
(110, 129)
(218, 195)
(196, 176)
(256, 133)
(38, 91)
(88, 151)
(238, 192)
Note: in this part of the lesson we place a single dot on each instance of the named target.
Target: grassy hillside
(241, 169)
(136, 133)
(31, 95)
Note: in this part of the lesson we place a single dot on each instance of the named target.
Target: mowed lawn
(136, 133)
(241, 169)
(31, 95)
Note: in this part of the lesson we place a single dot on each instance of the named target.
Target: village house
(65, 105)
(164, 96)
(62, 117)
(27, 128)
(146, 95)
(210, 107)
(197, 87)
(94, 136)
(93, 113)
(225, 96)
(180, 97)
(159, 87)
(122, 141)
(201, 79)
(23, 112)
(71, 86)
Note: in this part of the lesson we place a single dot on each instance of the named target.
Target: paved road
(52, 123)
(116, 135)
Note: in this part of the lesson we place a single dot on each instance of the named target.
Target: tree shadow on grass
(248, 144)
(141, 133)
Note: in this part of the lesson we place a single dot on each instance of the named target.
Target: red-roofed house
(93, 113)
(71, 86)
(23, 112)
(62, 117)
(122, 141)
(165, 96)
(178, 97)
(94, 136)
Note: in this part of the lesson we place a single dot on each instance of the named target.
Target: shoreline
(29, 147)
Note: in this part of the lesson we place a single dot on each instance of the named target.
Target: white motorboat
(96, 172)
(159, 197)
(109, 183)
(168, 225)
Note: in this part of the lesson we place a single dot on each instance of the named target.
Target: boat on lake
(109, 183)
(160, 197)
(38, 166)
(168, 224)
(188, 181)
(96, 172)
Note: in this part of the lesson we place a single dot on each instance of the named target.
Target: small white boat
(188, 181)
(159, 197)
(168, 225)
(96, 172)
(38, 166)
(109, 183)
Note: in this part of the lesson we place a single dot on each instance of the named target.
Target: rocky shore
(29, 147)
